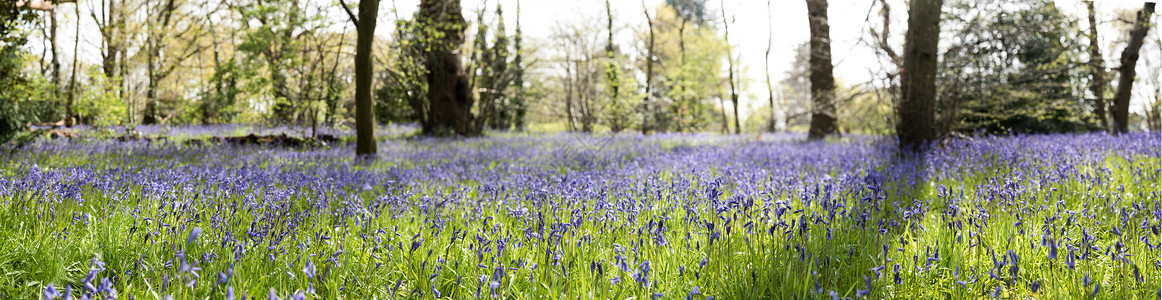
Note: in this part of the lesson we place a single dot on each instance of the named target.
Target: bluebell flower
(309, 269)
(194, 233)
(50, 292)
(693, 292)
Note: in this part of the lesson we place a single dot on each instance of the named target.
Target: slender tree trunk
(767, 67)
(1129, 61)
(682, 75)
(646, 113)
(519, 101)
(332, 98)
(918, 83)
(1097, 67)
(364, 70)
(56, 62)
(569, 77)
(587, 94)
(730, 68)
(123, 69)
(611, 73)
(70, 120)
(725, 123)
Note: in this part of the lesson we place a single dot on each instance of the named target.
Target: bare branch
(40, 4)
(350, 14)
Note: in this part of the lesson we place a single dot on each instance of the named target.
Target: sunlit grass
(457, 219)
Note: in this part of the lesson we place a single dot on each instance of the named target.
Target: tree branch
(350, 14)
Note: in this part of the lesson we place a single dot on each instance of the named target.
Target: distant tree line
(995, 66)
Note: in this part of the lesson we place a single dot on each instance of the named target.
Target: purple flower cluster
(662, 216)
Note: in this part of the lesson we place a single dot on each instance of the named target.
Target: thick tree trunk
(1129, 61)
(364, 70)
(1097, 67)
(822, 79)
(448, 94)
(918, 81)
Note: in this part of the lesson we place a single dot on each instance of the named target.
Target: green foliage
(218, 101)
(11, 65)
(621, 112)
(689, 72)
(101, 104)
(865, 113)
(402, 97)
(1013, 66)
(286, 43)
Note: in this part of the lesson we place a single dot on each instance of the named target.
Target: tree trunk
(56, 62)
(1097, 67)
(682, 76)
(822, 79)
(569, 76)
(730, 68)
(123, 68)
(69, 119)
(767, 68)
(1129, 61)
(364, 70)
(149, 116)
(725, 122)
(448, 94)
(918, 81)
(645, 126)
(520, 107)
(611, 66)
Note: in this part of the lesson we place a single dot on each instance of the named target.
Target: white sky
(854, 63)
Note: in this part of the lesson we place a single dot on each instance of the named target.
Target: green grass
(136, 240)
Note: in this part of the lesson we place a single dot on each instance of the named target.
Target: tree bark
(609, 53)
(822, 79)
(519, 101)
(56, 62)
(918, 81)
(569, 77)
(1129, 61)
(730, 68)
(646, 113)
(767, 68)
(365, 143)
(448, 94)
(1097, 67)
(682, 110)
(69, 119)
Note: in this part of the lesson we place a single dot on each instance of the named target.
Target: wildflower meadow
(575, 216)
